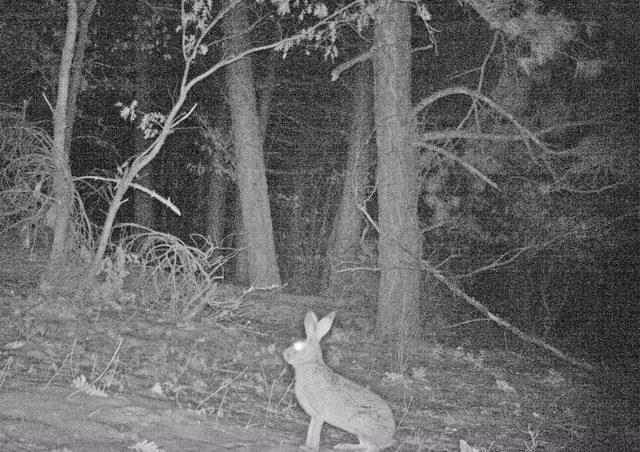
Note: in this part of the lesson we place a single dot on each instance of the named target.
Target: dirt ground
(81, 378)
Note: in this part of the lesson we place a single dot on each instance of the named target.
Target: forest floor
(91, 378)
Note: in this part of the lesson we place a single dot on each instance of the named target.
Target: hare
(332, 398)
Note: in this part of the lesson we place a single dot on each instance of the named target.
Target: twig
(205, 298)
(186, 364)
(483, 67)
(223, 386)
(285, 393)
(115, 353)
(73, 346)
(466, 322)
(507, 257)
(5, 369)
(46, 99)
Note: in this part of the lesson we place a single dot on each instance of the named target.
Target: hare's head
(309, 349)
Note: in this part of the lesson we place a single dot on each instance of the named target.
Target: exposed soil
(202, 386)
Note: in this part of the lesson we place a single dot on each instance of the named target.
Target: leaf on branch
(128, 112)
(320, 11)
(150, 123)
(283, 6)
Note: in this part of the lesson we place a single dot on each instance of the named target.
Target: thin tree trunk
(143, 204)
(399, 243)
(63, 188)
(251, 175)
(348, 223)
(241, 273)
(214, 192)
(76, 74)
(62, 182)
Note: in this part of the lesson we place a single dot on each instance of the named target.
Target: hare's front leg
(361, 446)
(313, 433)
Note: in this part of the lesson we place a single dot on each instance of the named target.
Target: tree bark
(76, 74)
(62, 183)
(348, 222)
(241, 273)
(251, 174)
(399, 243)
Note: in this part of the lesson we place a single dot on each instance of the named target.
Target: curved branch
(364, 56)
(528, 136)
(464, 91)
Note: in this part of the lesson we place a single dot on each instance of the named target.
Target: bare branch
(503, 323)
(167, 202)
(335, 74)
(483, 67)
(442, 135)
(457, 159)
(506, 258)
(594, 191)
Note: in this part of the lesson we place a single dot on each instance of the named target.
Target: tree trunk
(348, 222)
(399, 243)
(241, 274)
(214, 190)
(241, 268)
(76, 74)
(143, 204)
(62, 183)
(251, 175)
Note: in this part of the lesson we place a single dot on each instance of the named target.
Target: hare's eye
(298, 345)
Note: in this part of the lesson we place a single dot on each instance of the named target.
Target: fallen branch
(503, 323)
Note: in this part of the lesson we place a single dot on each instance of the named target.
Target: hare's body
(332, 398)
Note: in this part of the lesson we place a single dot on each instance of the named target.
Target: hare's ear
(310, 324)
(324, 325)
